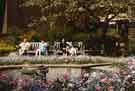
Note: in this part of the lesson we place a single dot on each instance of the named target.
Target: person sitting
(63, 46)
(24, 46)
(42, 50)
(72, 51)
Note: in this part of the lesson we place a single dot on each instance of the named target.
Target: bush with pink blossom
(97, 80)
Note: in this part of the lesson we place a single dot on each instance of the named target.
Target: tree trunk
(4, 27)
(105, 28)
(2, 5)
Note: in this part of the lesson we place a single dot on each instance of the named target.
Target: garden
(122, 78)
(96, 23)
(102, 26)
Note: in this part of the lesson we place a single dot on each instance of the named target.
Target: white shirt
(24, 45)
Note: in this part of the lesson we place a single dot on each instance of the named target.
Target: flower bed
(19, 60)
(97, 80)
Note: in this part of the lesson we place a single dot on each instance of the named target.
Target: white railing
(34, 45)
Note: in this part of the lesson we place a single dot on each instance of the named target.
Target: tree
(80, 12)
(2, 14)
(4, 27)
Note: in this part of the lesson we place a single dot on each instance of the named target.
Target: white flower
(89, 81)
(84, 89)
(133, 72)
(119, 80)
(86, 75)
(70, 85)
(94, 74)
(133, 82)
(101, 73)
(129, 76)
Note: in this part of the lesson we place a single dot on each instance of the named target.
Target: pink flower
(98, 87)
(13, 82)
(110, 87)
(66, 76)
(130, 62)
(104, 80)
(3, 77)
(49, 81)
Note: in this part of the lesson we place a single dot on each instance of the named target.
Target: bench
(78, 45)
(31, 51)
(54, 48)
(33, 47)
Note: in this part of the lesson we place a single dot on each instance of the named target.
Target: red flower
(49, 81)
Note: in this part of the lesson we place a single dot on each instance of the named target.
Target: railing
(79, 45)
(34, 45)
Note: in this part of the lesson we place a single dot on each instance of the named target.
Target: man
(24, 46)
(63, 46)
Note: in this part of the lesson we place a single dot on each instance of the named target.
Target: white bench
(33, 47)
(79, 45)
(55, 47)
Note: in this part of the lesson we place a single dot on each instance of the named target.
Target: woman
(42, 48)
(24, 46)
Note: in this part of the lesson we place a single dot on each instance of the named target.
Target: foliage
(81, 36)
(2, 6)
(31, 35)
(5, 47)
(131, 46)
(55, 19)
(80, 14)
(72, 19)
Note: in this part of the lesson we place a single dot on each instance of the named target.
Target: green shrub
(5, 47)
(132, 46)
(81, 36)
